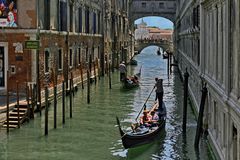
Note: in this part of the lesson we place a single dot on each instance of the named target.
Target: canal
(92, 133)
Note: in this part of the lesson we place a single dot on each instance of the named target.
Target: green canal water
(92, 133)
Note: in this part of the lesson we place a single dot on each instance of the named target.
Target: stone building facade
(73, 35)
(207, 43)
(118, 40)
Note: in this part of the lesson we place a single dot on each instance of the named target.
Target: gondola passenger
(155, 118)
(146, 119)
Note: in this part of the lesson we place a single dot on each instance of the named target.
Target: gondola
(143, 135)
(132, 81)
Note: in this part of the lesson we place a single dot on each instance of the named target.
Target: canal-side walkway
(3, 105)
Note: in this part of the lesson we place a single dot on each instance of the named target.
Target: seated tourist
(146, 119)
(155, 118)
(134, 79)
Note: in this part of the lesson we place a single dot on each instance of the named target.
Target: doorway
(2, 67)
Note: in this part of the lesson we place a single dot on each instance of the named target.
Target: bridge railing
(153, 41)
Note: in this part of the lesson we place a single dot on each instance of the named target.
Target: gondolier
(123, 71)
(159, 91)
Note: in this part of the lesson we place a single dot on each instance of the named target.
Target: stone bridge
(164, 44)
(160, 8)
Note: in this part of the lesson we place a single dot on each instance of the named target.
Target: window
(144, 5)
(46, 61)
(87, 20)
(71, 17)
(80, 20)
(196, 17)
(79, 56)
(63, 16)
(94, 23)
(60, 58)
(98, 22)
(70, 58)
(47, 14)
(161, 5)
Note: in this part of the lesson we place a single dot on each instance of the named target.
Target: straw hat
(145, 111)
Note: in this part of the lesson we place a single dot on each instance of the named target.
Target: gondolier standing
(123, 71)
(159, 92)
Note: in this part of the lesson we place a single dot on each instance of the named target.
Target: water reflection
(171, 144)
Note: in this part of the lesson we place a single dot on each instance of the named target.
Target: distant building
(154, 33)
(141, 32)
(157, 33)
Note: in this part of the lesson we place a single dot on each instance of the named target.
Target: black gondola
(133, 81)
(129, 83)
(143, 135)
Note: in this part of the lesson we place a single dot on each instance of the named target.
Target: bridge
(160, 8)
(164, 44)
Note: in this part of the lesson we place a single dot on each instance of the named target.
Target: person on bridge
(159, 92)
(123, 71)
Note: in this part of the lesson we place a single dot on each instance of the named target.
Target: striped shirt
(122, 68)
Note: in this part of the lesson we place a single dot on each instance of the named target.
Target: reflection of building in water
(155, 33)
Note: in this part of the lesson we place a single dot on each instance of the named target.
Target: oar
(144, 105)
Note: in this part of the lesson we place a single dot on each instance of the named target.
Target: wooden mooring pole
(200, 117)
(186, 75)
(63, 102)
(55, 105)
(46, 110)
(168, 64)
(7, 103)
(88, 87)
(109, 76)
(18, 104)
(71, 94)
(98, 70)
(72, 85)
(32, 105)
(95, 73)
(27, 99)
(81, 72)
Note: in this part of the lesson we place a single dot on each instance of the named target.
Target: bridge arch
(139, 50)
(164, 44)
